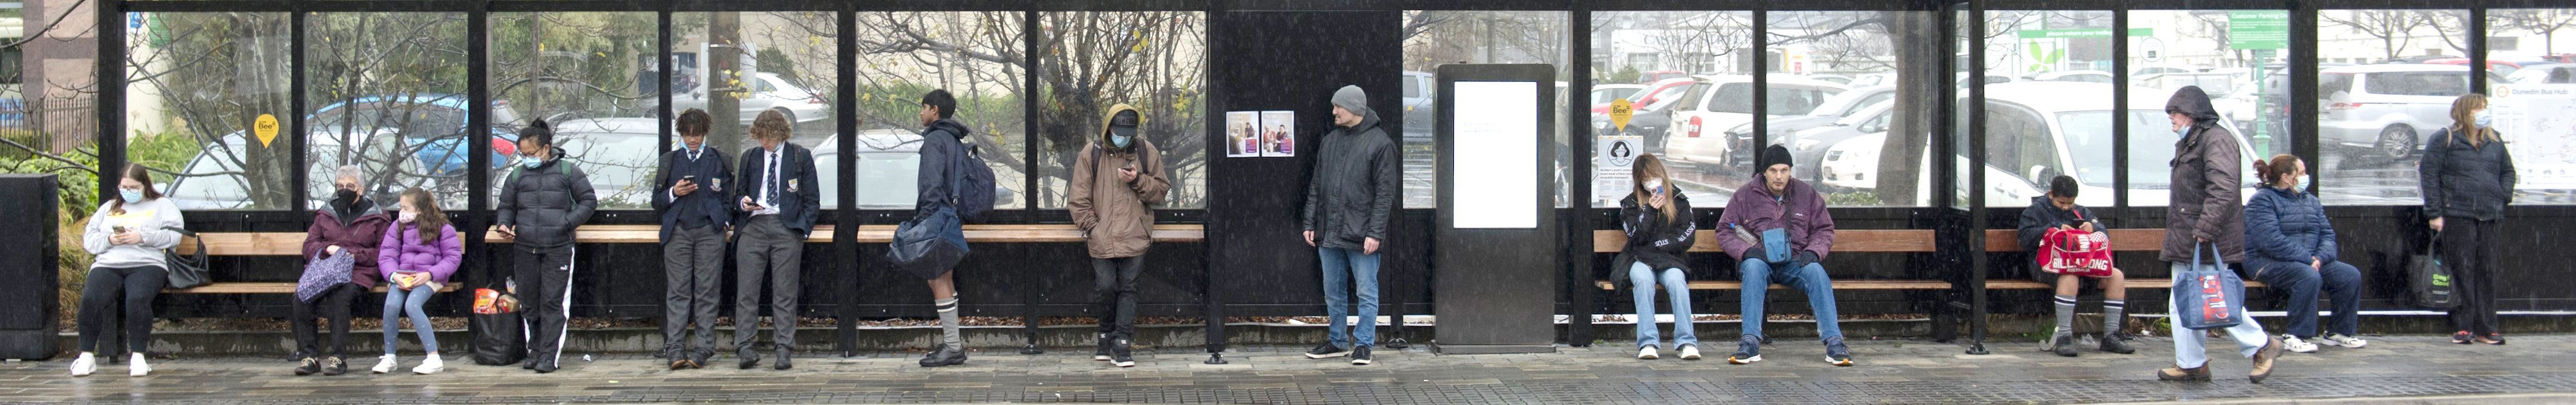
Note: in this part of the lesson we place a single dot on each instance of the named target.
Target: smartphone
(120, 229)
(690, 178)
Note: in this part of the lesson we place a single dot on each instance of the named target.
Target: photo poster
(1279, 134)
(1613, 168)
(1242, 134)
(1496, 154)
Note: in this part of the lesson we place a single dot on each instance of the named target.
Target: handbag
(497, 341)
(2428, 282)
(2208, 295)
(322, 275)
(930, 246)
(188, 270)
(2075, 253)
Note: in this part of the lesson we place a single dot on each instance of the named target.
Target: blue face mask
(131, 196)
(2485, 119)
(530, 162)
(684, 145)
(2184, 132)
(2304, 180)
(1119, 140)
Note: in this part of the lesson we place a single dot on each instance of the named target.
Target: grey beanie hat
(1351, 98)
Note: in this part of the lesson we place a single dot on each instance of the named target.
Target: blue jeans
(2188, 349)
(2340, 282)
(398, 302)
(1641, 280)
(1758, 276)
(1342, 267)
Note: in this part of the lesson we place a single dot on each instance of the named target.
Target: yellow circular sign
(1620, 112)
(265, 128)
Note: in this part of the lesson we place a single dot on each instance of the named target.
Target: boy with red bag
(2068, 244)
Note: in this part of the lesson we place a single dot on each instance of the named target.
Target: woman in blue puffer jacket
(2290, 245)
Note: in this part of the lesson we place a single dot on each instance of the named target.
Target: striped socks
(2065, 315)
(2111, 316)
(948, 323)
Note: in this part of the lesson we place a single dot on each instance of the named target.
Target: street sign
(2258, 29)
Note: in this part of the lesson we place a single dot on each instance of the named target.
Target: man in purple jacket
(1779, 228)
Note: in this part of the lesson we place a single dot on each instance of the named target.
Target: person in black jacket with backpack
(1658, 221)
(2468, 178)
(543, 201)
(942, 143)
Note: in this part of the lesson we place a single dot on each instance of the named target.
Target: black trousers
(2470, 248)
(333, 307)
(1113, 291)
(545, 298)
(107, 286)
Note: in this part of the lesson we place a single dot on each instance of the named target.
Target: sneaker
(432, 365)
(547, 366)
(384, 364)
(2117, 343)
(1647, 353)
(308, 366)
(945, 355)
(136, 366)
(2460, 338)
(2264, 359)
(1360, 356)
(1747, 351)
(2297, 345)
(1122, 354)
(1326, 351)
(2347, 342)
(1101, 353)
(85, 365)
(1690, 352)
(334, 366)
(2063, 344)
(2492, 339)
(1838, 355)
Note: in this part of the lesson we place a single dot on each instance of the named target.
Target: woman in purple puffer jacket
(416, 257)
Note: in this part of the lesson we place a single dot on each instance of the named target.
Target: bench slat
(1847, 240)
(1838, 285)
(2150, 284)
(267, 288)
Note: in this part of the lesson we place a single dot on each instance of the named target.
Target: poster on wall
(1496, 150)
(2533, 119)
(1617, 160)
(1278, 134)
(1242, 134)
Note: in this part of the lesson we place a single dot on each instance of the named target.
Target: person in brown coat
(1117, 181)
(349, 224)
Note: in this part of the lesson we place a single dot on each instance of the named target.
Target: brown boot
(2177, 373)
(2263, 360)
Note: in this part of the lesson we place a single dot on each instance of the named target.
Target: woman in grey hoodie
(127, 235)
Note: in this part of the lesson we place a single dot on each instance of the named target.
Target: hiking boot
(2177, 373)
(2063, 344)
(2347, 342)
(2264, 359)
(1326, 351)
(1747, 351)
(2117, 343)
(306, 366)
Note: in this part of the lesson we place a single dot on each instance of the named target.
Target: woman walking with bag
(128, 236)
(416, 258)
(1657, 218)
(2468, 178)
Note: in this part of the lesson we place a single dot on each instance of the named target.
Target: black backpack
(970, 182)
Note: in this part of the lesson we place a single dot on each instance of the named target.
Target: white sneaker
(1690, 352)
(384, 364)
(2297, 346)
(2348, 342)
(83, 366)
(430, 366)
(140, 368)
(1647, 353)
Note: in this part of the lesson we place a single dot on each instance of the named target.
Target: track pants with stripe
(545, 296)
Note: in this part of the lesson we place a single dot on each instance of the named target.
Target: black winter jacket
(546, 203)
(2043, 214)
(2465, 181)
(1659, 243)
(941, 144)
(1355, 185)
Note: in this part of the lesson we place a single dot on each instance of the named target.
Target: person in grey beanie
(1348, 202)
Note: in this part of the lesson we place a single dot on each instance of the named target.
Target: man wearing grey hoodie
(1348, 201)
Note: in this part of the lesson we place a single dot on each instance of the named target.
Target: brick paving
(1889, 371)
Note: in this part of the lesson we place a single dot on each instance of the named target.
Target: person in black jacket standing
(778, 198)
(694, 217)
(1348, 200)
(543, 201)
(1658, 221)
(2468, 178)
(2057, 210)
(943, 142)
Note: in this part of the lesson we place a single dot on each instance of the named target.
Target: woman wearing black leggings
(127, 235)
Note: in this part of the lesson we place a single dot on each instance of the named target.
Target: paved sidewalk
(1888, 372)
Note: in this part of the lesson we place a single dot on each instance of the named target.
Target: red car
(1668, 88)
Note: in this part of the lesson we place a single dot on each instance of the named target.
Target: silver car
(2384, 111)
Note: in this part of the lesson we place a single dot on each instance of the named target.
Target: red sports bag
(2075, 252)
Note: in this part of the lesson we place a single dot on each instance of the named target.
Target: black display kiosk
(1497, 245)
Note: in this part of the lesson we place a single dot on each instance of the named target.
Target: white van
(2038, 130)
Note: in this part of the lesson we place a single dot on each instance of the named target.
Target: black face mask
(345, 196)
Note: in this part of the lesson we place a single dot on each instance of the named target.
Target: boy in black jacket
(2057, 210)
(692, 184)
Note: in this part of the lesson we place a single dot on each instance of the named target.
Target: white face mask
(1654, 185)
(407, 216)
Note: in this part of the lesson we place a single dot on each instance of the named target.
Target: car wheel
(2396, 143)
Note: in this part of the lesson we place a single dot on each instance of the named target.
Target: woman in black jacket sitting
(1657, 219)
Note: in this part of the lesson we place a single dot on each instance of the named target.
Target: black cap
(1774, 155)
(1123, 124)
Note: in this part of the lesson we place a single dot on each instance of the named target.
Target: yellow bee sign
(1620, 111)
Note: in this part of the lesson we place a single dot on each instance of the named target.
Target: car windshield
(2088, 138)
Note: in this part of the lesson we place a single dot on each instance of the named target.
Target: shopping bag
(2207, 295)
(2429, 283)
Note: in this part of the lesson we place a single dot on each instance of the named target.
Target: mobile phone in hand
(120, 229)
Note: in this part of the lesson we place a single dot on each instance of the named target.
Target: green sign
(2258, 29)
(2082, 33)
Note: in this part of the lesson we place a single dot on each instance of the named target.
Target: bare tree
(2393, 28)
(2544, 22)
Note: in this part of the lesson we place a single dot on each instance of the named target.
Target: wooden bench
(291, 244)
(2122, 240)
(1845, 241)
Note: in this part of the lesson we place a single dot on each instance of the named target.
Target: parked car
(1788, 130)
(1657, 76)
(2383, 111)
(1653, 94)
(415, 140)
(2495, 68)
(1420, 109)
(2087, 76)
(1808, 145)
(1603, 93)
(2036, 131)
(432, 126)
(801, 104)
(618, 154)
(887, 161)
(2543, 73)
(1717, 102)
(1652, 121)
